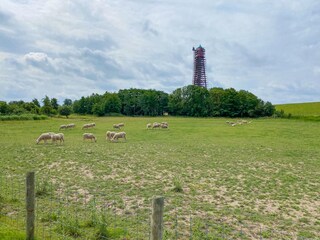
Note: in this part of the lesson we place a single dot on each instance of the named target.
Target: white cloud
(68, 49)
(36, 57)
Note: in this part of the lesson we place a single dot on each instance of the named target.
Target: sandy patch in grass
(87, 173)
(86, 195)
(312, 207)
(54, 165)
(268, 206)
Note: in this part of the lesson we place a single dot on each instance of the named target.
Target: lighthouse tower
(199, 67)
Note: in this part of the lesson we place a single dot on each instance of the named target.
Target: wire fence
(65, 213)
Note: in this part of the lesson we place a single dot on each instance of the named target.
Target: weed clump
(177, 184)
(43, 189)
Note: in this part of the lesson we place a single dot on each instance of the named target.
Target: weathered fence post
(157, 218)
(30, 205)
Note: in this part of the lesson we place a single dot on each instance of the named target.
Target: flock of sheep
(238, 122)
(110, 135)
(157, 125)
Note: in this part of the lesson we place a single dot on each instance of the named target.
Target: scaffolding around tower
(199, 67)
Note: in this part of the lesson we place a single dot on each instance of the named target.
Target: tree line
(190, 101)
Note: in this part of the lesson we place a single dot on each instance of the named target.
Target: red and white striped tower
(199, 67)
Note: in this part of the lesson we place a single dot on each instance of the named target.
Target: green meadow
(300, 109)
(261, 175)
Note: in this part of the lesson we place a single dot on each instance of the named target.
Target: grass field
(300, 109)
(264, 174)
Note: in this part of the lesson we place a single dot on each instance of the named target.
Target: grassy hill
(300, 109)
(243, 182)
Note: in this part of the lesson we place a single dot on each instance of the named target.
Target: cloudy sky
(72, 48)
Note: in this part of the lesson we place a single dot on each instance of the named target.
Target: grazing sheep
(121, 124)
(149, 125)
(238, 122)
(89, 136)
(44, 137)
(245, 121)
(109, 135)
(71, 125)
(57, 137)
(231, 123)
(156, 125)
(88, 125)
(116, 126)
(119, 135)
(163, 125)
(63, 127)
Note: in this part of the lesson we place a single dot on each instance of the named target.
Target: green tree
(79, 106)
(248, 103)
(85, 104)
(47, 107)
(54, 103)
(215, 101)
(230, 106)
(131, 101)
(65, 110)
(36, 102)
(31, 107)
(175, 104)
(153, 103)
(67, 102)
(112, 103)
(269, 109)
(196, 101)
(16, 107)
(98, 109)
(4, 108)
(189, 101)
(91, 101)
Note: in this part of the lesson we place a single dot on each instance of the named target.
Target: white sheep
(116, 126)
(149, 125)
(88, 125)
(71, 125)
(89, 136)
(44, 137)
(119, 135)
(63, 127)
(121, 124)
(163, 125)
(156, 125)
(109, 135)
(57, 137)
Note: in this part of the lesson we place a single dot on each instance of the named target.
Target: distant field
(264, 174)
(300, 109)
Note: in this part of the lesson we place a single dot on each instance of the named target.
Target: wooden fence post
(157, 218)
(30, 205)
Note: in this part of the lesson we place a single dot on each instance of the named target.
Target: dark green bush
(22, 117)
